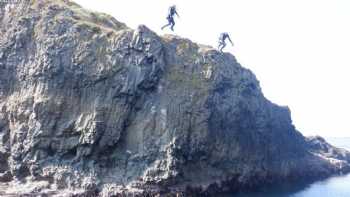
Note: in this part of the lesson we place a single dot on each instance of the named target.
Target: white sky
(299, 49)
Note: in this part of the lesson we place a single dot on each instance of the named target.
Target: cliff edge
(89, 106)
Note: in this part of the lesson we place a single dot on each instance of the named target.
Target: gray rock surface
(89, 106)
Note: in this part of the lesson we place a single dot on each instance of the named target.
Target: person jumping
(222, 41)
(170, 18)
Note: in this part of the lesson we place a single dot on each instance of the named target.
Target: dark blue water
(332, 187)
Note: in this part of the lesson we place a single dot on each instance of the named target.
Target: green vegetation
(97, 21)
(188, 50)
(195, 82)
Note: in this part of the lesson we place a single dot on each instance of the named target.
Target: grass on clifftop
(70, 9)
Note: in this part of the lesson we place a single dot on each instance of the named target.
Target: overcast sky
(299, 49)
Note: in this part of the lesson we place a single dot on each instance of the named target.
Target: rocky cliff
(89, 106)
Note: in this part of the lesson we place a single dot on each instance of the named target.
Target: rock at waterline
(88, 105)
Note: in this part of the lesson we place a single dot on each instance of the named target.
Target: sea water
(332, 187)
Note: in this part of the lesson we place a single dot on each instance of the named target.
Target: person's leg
(172, 22)
(223, 45)
(166, 26)
(172, 26)
(169, 22)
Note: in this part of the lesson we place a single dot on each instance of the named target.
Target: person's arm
(230, 40)
(177, 14)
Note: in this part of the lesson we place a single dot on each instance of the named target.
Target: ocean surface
(332, 187)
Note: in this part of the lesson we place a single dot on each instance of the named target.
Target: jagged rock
(91, 106)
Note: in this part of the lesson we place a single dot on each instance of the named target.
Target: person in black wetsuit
(170, 18)
(222, 41)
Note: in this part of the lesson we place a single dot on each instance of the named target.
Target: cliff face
(90, 105)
